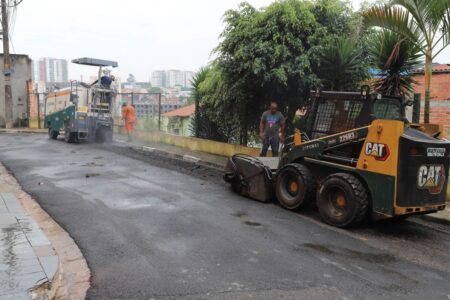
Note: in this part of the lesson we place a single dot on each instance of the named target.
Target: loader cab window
(388, 109)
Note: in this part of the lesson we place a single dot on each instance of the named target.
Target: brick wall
(439, 113)
(440, 95)
(440, 86)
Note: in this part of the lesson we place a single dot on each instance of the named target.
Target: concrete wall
(191, 143)
(21, 66)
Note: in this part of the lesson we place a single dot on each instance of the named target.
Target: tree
(198, 78)
(395, 58)
(268, 55)
(340, 65)
(424, 23)
(155, 90)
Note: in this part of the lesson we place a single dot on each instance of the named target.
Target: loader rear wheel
(295, 186)
(342, 200)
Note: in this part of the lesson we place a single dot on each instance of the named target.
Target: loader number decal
(431, 178)
(378, 151)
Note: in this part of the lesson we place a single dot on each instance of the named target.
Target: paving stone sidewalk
(27, 259)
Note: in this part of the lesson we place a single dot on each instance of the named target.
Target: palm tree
(339, 62)
(198, 78)
(395, 58)
(425, 23)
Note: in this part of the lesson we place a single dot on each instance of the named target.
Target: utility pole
(7, 67)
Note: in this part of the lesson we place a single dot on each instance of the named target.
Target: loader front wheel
(342, 200)
(295, 186)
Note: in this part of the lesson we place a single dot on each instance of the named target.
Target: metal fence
(149, 108)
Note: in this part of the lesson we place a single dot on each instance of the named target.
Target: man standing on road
(129, 117)
(272, 130)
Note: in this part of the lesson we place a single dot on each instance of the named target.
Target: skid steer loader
(358, 158)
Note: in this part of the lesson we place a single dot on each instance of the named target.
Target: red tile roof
(186, 111)
(437, 68)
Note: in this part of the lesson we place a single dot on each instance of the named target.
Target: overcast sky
(142, 35)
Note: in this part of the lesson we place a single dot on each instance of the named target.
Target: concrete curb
(38, 131)
(71, 280)
(434, 219)
(186, 158)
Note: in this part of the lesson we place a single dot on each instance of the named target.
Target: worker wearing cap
(129, 117)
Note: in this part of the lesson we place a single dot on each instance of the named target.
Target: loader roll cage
(335, 112)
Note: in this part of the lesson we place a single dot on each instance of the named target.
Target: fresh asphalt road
(155, 228)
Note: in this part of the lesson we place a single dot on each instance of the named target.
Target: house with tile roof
(178, 121)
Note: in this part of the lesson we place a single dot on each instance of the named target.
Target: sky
(142, 35)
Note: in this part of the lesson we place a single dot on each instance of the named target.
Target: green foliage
(208, 122)
(279, 53)
(424, 23)
(395, 58)
(155, 90)
(340, 65)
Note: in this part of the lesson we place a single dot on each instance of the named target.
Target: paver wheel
(70, 137)
(53, 134)
(342, 200)
(104, 134)
(295, 186)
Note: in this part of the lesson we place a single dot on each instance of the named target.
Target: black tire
(295, 186)
(104, 135)
(52, 133)
(342, 200)
(70, 137)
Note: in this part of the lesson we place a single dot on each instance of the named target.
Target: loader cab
(332, 112)
(387, 108)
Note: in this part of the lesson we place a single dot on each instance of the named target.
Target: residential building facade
(20, 80)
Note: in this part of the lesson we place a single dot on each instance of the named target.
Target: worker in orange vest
(129, 117)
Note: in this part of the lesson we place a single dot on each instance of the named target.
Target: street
(159, 228)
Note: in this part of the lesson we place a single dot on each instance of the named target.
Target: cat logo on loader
(431, 178)
(377, 150)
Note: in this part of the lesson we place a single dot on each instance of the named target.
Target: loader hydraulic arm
(318, 148)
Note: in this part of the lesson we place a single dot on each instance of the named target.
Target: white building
(50, 70)
(172, 78)
(188, 76)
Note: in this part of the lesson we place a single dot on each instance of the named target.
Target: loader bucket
(249, 177)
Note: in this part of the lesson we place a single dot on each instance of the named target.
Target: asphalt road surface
(156, 228)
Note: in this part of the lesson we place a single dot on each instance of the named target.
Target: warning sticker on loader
(378, 151)
(431, 178)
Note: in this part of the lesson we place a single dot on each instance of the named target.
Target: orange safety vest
(128, 114)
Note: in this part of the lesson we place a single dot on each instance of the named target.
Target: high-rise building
(188, 76)
(175, 77)
(159, 79)
(172, 78)
(50, 70)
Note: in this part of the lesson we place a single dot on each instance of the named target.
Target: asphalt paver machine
(358, 158)
(83, 112)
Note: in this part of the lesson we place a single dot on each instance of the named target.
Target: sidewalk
(38, 258)
(28, 262)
